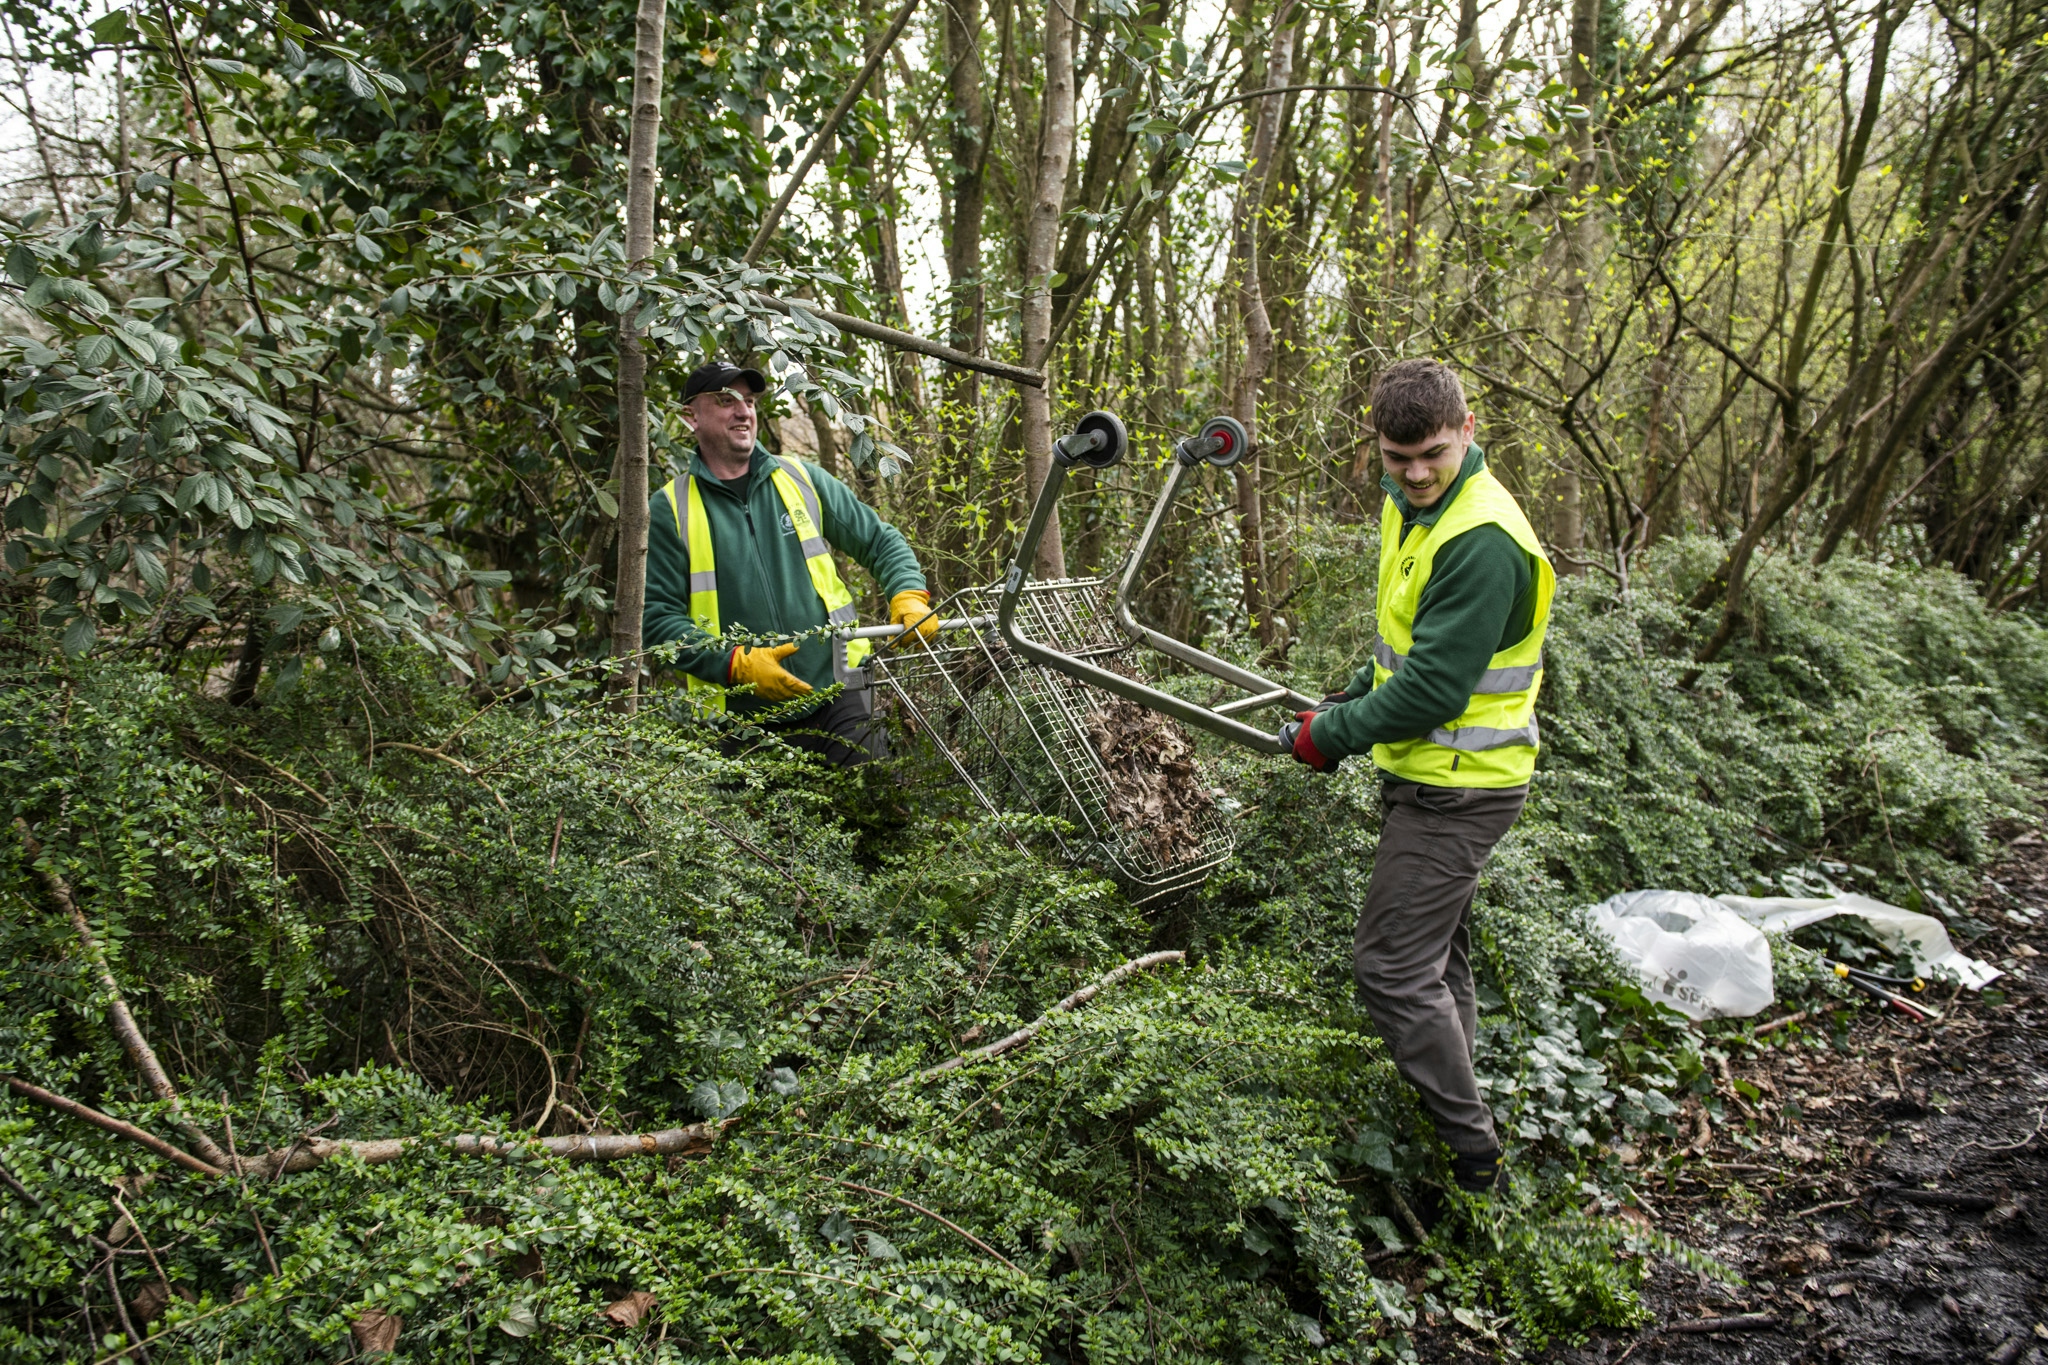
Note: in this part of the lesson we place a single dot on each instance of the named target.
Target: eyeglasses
(722, 400)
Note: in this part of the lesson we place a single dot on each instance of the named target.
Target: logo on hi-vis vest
(1408, 566)
(788, 526)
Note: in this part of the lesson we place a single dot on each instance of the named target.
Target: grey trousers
(1412, 948)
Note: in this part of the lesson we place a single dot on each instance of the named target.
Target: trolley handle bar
(1151, 698)
(856, 679)
(1191, 453)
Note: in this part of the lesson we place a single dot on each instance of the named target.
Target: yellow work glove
(763, 668)
(914, 607)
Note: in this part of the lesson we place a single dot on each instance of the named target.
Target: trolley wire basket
(1024, 738)
(1024, 693)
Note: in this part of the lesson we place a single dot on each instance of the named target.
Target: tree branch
(113, 1125)
(125, 1027)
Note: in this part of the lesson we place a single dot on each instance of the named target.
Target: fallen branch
(695, 1140)
(1032, 1029)
(1938, 1199)
(130, 1033)
(305, 1153)
(113, 1125)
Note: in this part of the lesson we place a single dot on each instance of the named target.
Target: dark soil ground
(1895, 1205)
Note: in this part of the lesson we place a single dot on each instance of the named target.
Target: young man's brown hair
(1414, 399)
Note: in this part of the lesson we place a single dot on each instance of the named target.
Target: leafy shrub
(366, 908)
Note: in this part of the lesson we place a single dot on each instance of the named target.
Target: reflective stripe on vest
(800, 499)
(1493, 680)
(1493, 742)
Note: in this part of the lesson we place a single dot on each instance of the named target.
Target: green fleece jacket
(764, 586)
(1480, 598)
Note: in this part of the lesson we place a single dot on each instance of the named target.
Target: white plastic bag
(1916, 936)
(1692, 952)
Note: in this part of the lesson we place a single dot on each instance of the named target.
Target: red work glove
(1296, 737)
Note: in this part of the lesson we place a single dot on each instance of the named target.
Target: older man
(1447, 710)
(744, 541)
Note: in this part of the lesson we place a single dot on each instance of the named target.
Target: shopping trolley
(1026, 692)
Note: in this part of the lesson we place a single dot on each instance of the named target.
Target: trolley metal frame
(1005, 688)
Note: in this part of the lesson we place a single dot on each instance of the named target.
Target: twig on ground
(1824, 1208)
(276, 771)
(1747, 1322)
(2032, 1133)
(1032, 1029)
(940, 1219)
(1799, 1017)
(121, 1312)
(148, 1250)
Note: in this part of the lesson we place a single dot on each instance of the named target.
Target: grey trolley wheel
(1098, 441)
(1222, 442)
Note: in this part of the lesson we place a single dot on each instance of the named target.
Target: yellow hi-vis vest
(1493, 743)
(800, 500)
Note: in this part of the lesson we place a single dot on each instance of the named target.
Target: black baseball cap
(721, 374)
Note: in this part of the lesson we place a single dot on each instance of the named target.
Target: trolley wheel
(1231, 433)
(1110, 443)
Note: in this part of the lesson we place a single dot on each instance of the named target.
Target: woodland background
(317, 325)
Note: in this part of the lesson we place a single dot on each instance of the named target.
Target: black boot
(1483, 1173)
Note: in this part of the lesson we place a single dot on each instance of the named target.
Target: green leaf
(520, 1320)
(150, 569)
(22, 265)
(113, 29)
(79, 635)
(95, 350)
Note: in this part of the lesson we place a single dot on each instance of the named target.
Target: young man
(745, 540)
(1448, 712)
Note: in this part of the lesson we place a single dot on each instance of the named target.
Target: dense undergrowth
(366, 908)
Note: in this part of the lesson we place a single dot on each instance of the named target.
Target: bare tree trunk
(28, 108)
(1258, 326)
(885, 268)
(642, 180)
(1356, 253)
(1176, 324)
(1041, 240)
(971, 129)
(1568, 515)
